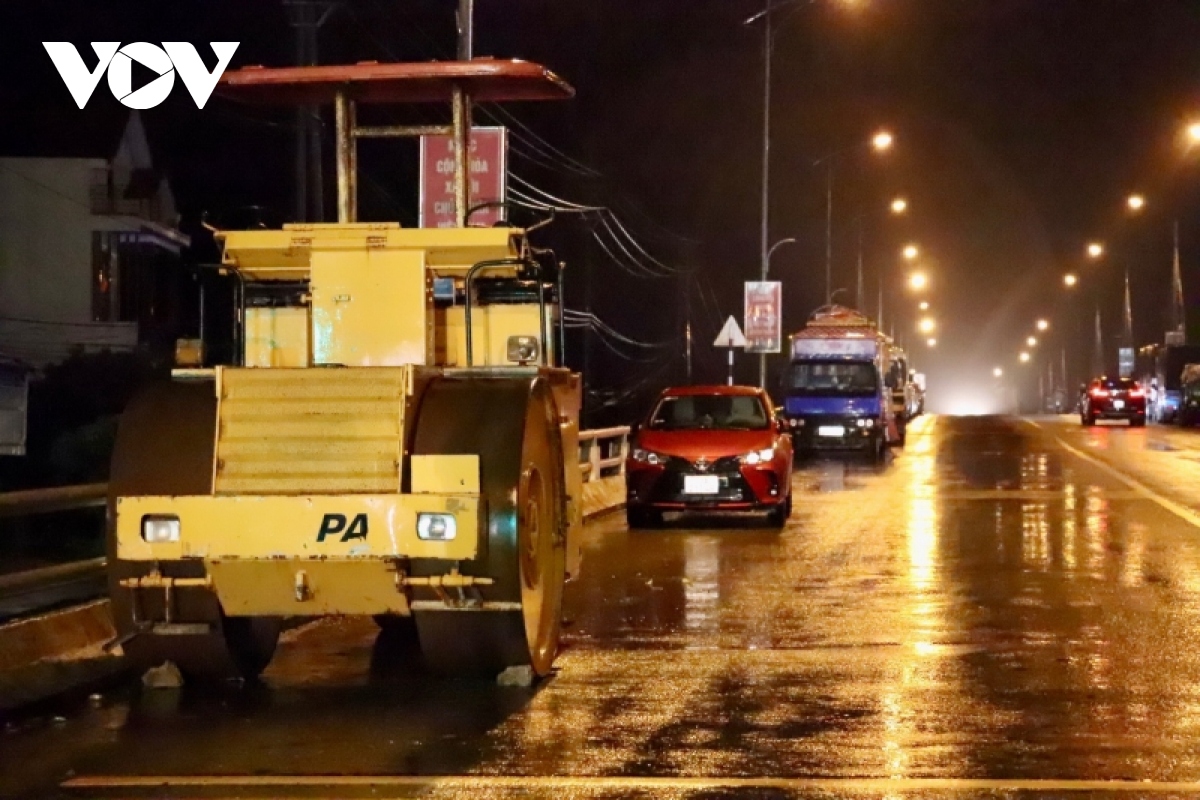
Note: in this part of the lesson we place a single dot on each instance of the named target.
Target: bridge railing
(602, 454)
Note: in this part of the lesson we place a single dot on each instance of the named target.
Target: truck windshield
(710, 411)
(841, 378)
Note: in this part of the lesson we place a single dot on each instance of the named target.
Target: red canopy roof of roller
(484, 79)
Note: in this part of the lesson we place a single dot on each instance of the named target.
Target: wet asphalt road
(1008, 609)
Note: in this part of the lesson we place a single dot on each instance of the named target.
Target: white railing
(602, 452)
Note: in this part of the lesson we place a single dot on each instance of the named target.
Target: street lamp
(931, 342)
(1135, 202)
(927, 325)
(1024, 357)
(923, 305)
(1043, 325)
(910, 252)
(1095, 250)
(1070, 279)
(1031, 341)
(899, 205)
(882, 141)
(1193, 133)
(918, 281)
(997, 372)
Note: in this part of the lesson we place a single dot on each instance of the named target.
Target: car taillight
(1136, 393)
(1099, 393)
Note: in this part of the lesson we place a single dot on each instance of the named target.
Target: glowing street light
(910, 252)
(1135, 202)
(1095, 250)
(1070, 279)
(1043, 325)
(1024, 357)
(1031, 341)
(882, 141)
(1193, 133)
(924, 306)
(918, 281)
(899, 205)
(997, 372)
(927, 325)
(931, 342)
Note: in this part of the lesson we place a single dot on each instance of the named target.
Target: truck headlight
(523, 349)
(865, 422)
(436, 527)
(159, 528)
(759, 456)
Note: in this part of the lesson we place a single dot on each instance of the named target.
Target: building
(90, 255)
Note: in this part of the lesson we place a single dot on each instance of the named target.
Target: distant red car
(711, 448)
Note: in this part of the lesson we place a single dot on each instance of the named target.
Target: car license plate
(831, 430)
(701, 484)
(1118, 404)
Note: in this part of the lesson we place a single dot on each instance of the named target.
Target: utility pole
(466, 30)
(859, 294)
(829, 232)
(766, 168)
(306, 17)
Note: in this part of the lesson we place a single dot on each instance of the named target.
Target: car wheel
(637, 517)
(777, 517)
(1139, 422)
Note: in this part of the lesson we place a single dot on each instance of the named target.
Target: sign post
(489, 178)
(731, 336)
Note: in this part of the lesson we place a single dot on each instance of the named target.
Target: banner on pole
(763, 316)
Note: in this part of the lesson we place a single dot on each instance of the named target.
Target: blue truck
(836, 389)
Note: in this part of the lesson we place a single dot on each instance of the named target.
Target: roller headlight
(647, 456)
(160, 528)
(436, 527)
(759, 456)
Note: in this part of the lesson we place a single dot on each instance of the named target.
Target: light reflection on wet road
(988, 607)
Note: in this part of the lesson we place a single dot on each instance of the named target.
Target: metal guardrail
(58, 498)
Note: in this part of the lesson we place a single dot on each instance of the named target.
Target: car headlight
(160, 528)
(647, 456)
(758, 456)
(865, 422)
(436, 527)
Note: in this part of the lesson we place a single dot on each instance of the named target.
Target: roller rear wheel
(512, 425)
(164, 446)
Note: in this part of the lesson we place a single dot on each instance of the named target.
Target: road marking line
(629, 783)
(1178, 509)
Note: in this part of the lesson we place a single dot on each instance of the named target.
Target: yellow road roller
(395, 436)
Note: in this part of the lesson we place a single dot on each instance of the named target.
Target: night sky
(1020, 127)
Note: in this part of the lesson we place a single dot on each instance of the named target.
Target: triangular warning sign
(730, 335)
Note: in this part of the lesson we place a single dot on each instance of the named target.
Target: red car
(711, 448)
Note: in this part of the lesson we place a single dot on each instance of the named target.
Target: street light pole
(829, 232)
(766, 168)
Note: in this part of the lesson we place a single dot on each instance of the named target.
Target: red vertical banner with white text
(763, 316)
(489, 178)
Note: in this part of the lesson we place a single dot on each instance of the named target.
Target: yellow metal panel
(369, 308)
(306, 527)
(492, 325)
(438, 474)
(268, 588)
(276, 337)
(310, 431)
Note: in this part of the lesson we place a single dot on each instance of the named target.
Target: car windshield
(710, 411)
(857, 378)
